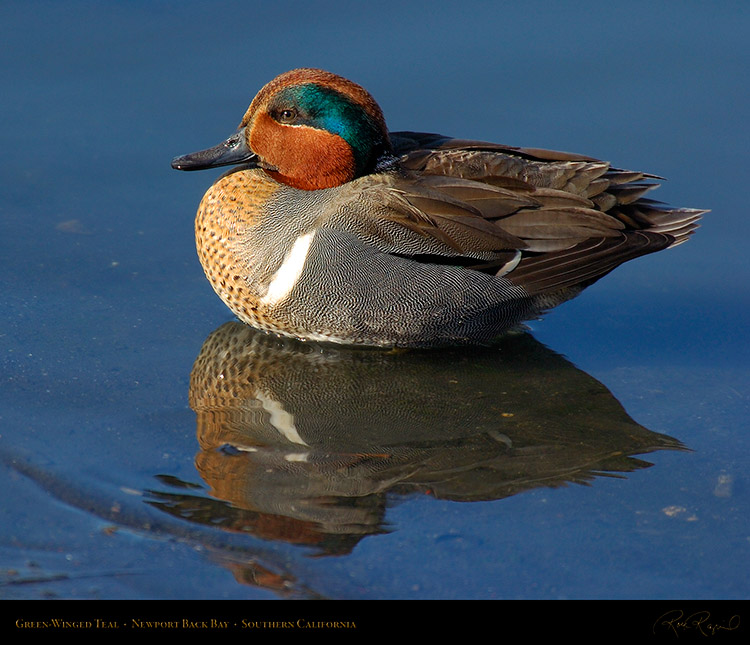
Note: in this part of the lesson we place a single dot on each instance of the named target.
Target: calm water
(605, 455)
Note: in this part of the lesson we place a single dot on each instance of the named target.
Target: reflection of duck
(304, 441)
(334, 229)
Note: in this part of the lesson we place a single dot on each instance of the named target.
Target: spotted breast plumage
(332, 228)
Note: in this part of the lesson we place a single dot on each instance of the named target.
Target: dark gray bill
(232, 151)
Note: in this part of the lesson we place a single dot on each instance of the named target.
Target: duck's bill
(228, 153)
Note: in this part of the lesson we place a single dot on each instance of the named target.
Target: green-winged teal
(332, 228)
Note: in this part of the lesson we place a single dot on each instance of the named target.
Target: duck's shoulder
(475, 196)
(524, 210)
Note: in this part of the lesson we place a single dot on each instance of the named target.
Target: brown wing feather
(574, 217)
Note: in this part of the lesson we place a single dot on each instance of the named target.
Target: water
(432, 478)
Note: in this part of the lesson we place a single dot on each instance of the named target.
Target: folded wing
(546, 220)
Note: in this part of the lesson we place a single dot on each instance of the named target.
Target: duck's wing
(555, 219)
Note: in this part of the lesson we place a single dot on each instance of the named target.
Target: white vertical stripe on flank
(290, 270)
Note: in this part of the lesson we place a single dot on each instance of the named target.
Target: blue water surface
(109, 493)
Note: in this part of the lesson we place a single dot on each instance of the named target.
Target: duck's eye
(287, 116)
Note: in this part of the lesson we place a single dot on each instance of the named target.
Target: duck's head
(306, 128)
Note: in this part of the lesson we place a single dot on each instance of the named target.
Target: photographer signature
(699, 621)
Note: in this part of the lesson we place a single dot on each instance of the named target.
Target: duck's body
(336, 230)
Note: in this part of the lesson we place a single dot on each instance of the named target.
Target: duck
(330, 228)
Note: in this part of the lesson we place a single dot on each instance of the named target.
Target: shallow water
(603, 455)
